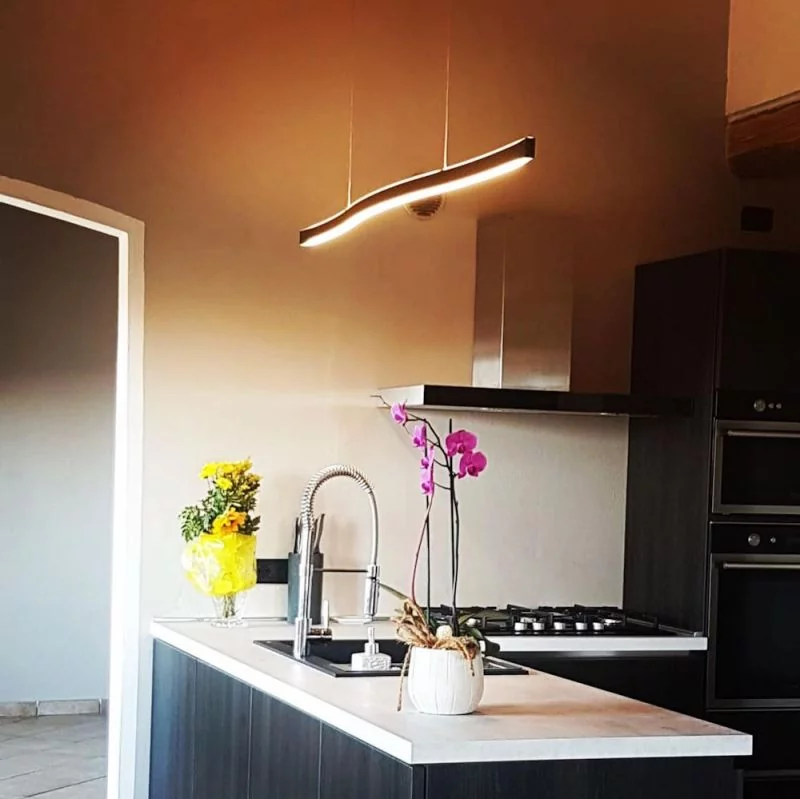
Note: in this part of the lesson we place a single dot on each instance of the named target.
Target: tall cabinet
(720, 321)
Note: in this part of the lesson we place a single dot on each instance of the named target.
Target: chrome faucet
(302, 625)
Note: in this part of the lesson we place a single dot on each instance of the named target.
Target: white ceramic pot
(441, 682)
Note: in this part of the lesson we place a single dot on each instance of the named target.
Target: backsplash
(544, 524)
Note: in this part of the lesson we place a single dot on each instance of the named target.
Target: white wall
(58, 285)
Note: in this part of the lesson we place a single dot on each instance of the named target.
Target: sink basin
(332, 657)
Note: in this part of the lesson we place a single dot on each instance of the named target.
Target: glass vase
(229, 610)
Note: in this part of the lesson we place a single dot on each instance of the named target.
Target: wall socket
(757, 219)
(272, 570)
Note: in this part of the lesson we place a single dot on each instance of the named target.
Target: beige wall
(225, 130)
(763, 56)
(224, 127)
(58, 295)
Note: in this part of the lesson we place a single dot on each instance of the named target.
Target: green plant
(229, 502)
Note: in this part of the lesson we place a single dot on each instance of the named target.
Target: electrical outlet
(756, 219)
(272, 570)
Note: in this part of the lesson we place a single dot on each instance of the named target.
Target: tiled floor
(53, 757)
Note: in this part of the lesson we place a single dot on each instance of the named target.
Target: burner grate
(555, 620)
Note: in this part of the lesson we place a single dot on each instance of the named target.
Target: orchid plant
(444, 461)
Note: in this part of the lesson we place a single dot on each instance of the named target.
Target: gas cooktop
(562, 620)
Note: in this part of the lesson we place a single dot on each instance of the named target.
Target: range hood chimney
(523, 305)
(522, 347)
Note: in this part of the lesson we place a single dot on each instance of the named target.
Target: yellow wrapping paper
(219, 565)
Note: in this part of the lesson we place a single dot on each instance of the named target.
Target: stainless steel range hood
(522, 350)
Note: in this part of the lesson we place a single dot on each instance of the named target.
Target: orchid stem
(428, 573)
(453, 535)
(425, 526)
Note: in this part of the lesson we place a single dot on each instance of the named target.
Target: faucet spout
(372, 581)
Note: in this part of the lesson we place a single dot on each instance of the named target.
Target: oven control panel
(755, 406)
(748, 538)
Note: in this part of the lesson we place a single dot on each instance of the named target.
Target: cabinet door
(759, 347)
(172, 731)
(771, 787)
(350, 769)
(674, 681)
(222, 744)
(284, 751)
(637, 778)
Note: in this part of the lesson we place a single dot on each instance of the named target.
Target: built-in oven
(756, 454)
(756, 468)
(754, 601)
(753, 678)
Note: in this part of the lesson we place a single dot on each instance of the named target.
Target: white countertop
(532, 717)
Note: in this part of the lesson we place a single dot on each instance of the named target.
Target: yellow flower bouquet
(220, 553)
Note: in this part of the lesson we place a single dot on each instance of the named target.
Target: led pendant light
(420, 187)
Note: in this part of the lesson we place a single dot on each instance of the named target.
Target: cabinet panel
(775, 735)
(710, 778)
(172, 731)
(222, 742)
(674, 354)
(284, 753)
(760, 335)
(675, 681)
(771, 787)
(350, 769)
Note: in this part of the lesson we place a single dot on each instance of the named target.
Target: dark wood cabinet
(350, 769)
(771, 787)
(713, 327)
(213, 737)
(674, 680)
(284, 751)
(669, 460)
(759, 334)
(222, 738)
(775, 735)
(586, 779)
(172, 729)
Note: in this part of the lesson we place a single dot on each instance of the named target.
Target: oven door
(756, 468)
(754, 648)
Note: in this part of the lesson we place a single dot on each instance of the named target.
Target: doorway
(121, 238)
(58, 324)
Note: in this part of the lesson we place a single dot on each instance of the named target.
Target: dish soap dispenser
(371, 659)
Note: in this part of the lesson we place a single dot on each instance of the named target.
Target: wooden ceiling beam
(764, 141)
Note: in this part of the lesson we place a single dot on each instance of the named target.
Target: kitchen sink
(332, 657)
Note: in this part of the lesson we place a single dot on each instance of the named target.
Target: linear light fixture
(430, 184)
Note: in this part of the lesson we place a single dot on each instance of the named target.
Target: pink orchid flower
(399, 413)
(426, 480)
(460, 442)
(472, 464)
(420, 437)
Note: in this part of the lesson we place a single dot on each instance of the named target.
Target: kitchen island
(233, 720)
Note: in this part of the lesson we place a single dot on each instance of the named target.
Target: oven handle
(762, 434)
(773, 566)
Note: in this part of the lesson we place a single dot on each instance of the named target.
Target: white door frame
(126, 624)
